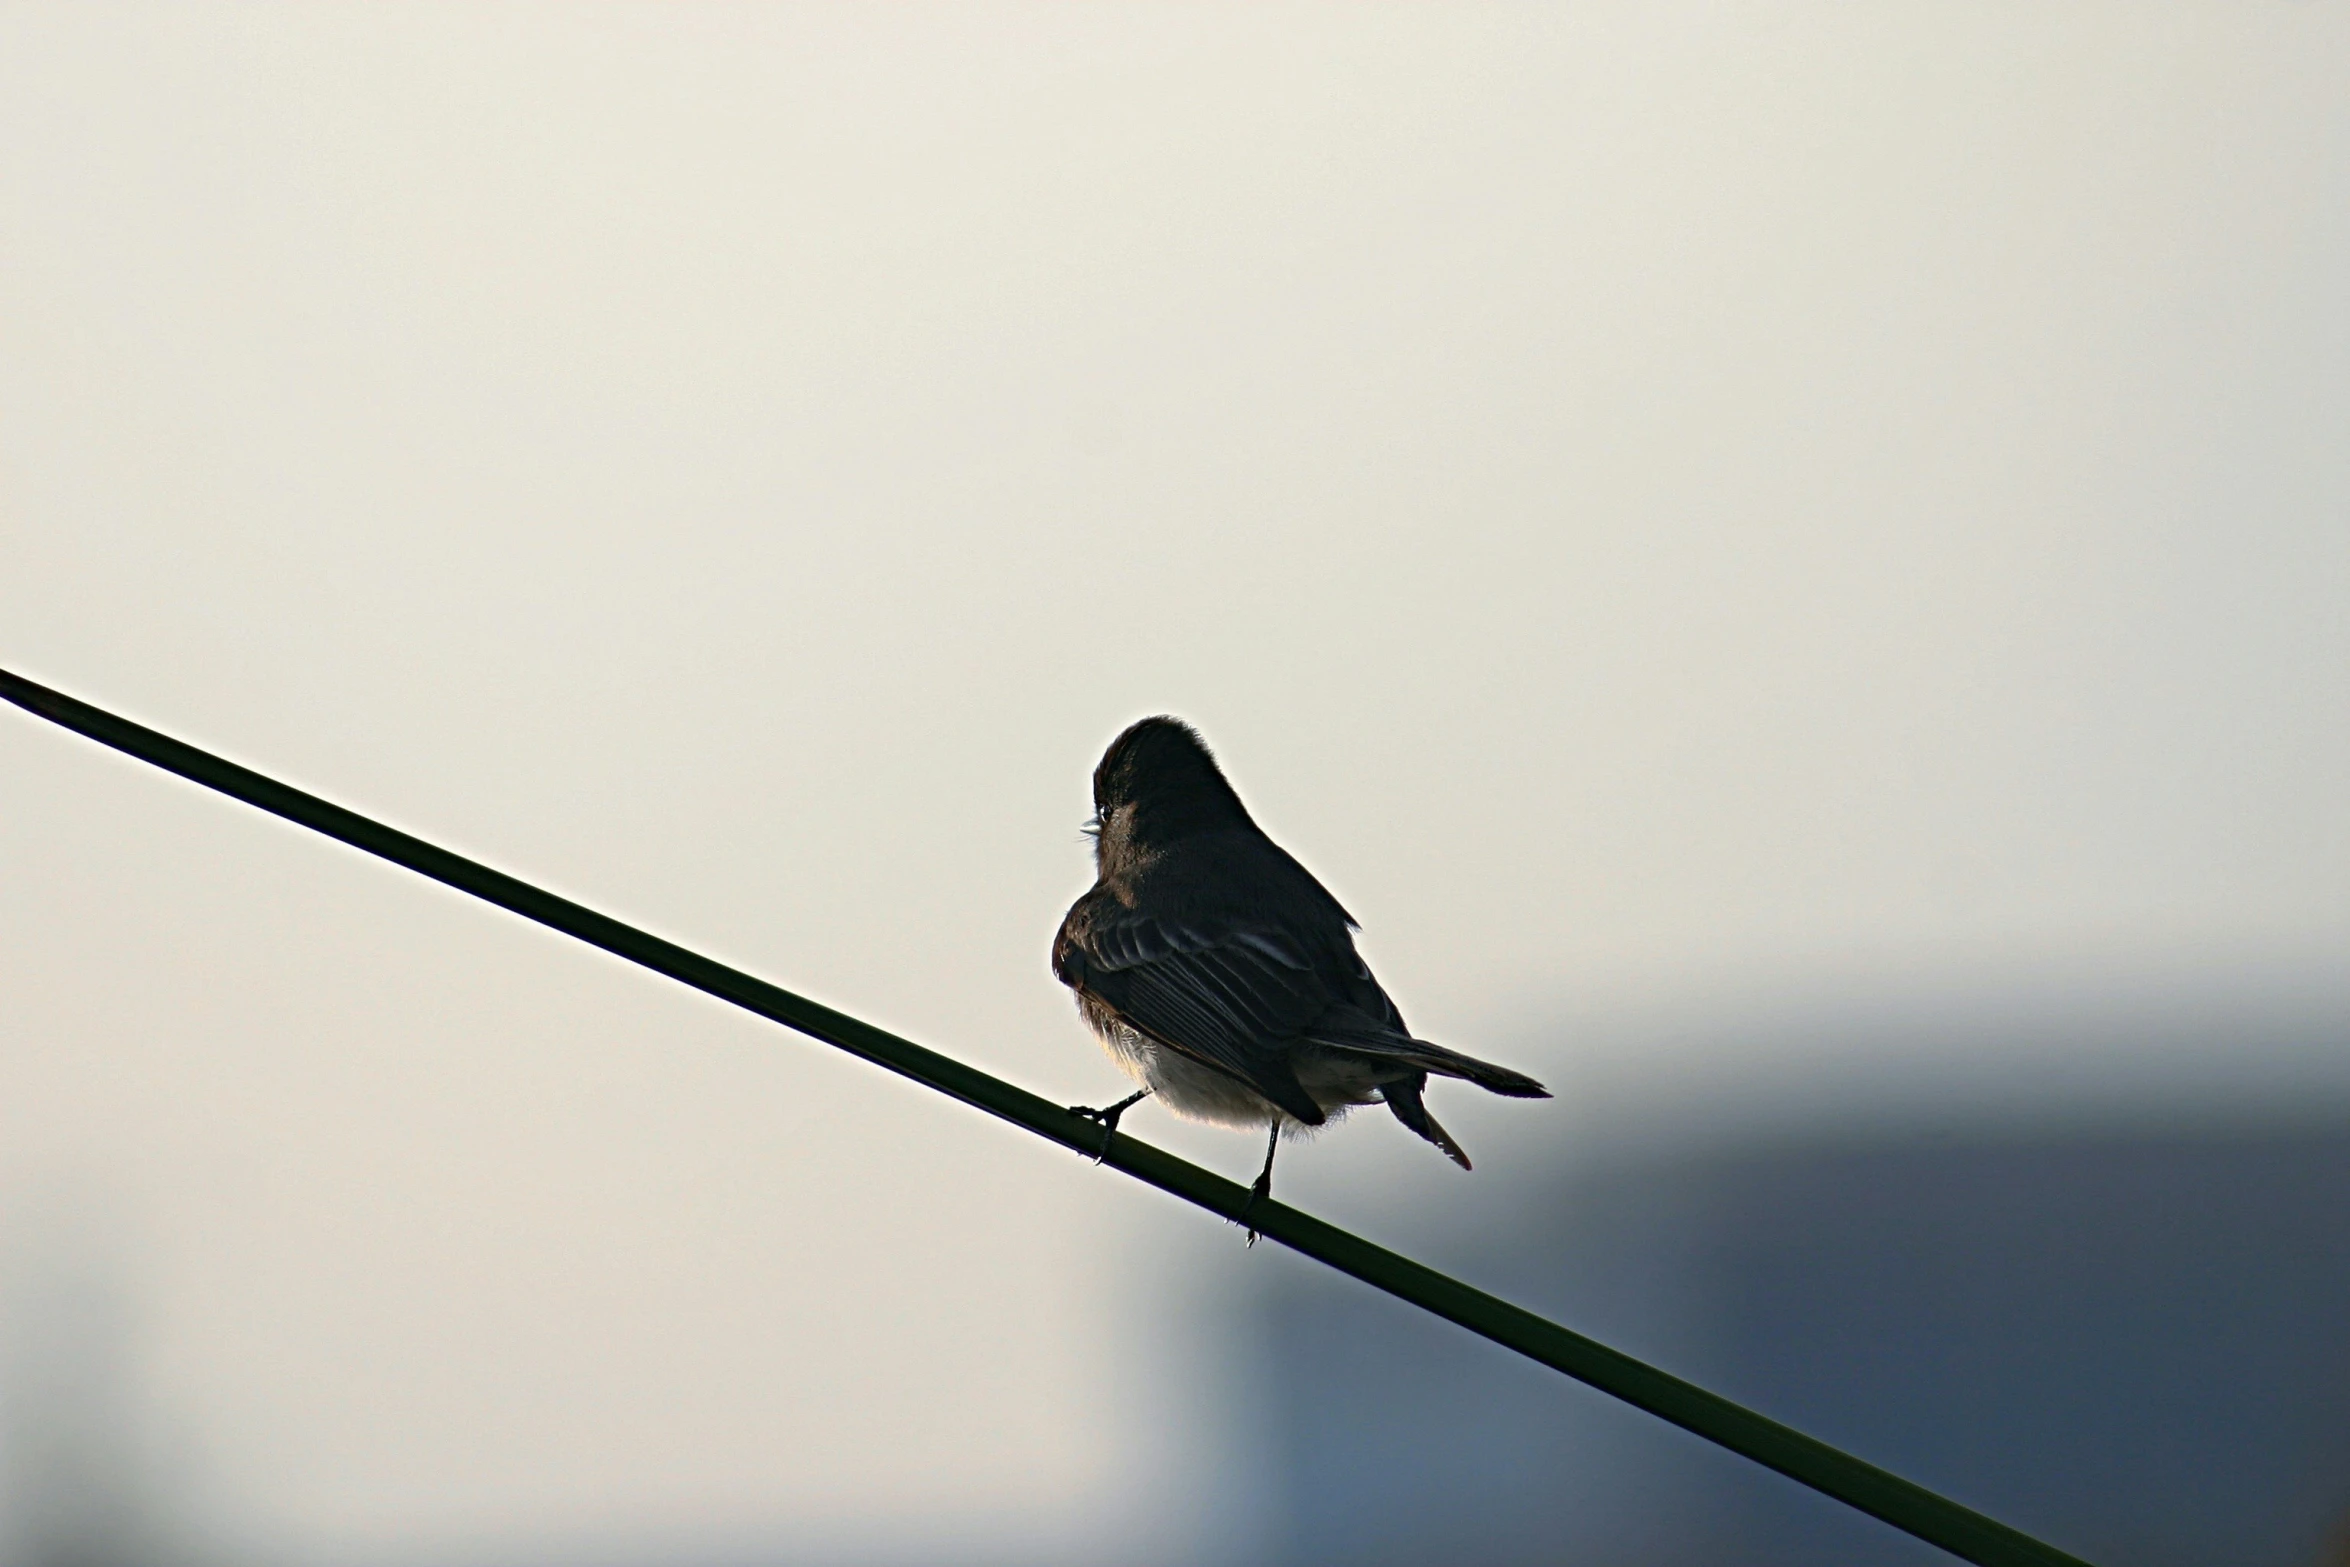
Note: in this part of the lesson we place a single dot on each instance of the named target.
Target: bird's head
(1157, 782)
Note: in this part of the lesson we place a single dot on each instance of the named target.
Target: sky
(1657, 505)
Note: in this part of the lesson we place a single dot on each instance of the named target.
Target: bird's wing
(1230, 998)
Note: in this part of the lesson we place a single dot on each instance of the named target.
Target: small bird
(1221, 976)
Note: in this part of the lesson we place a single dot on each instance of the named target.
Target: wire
(1906, 1506)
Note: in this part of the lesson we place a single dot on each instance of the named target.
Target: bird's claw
(1260, 1191)
(1108, 1116)
(1108, 1119)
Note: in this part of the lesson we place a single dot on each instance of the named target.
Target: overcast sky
(1647, 500)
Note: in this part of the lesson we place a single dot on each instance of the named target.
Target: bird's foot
(1260, 1191)
(1108, 1116)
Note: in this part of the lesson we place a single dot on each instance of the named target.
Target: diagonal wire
(1908, 1507)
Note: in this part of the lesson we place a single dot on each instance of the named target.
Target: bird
(1222, 977)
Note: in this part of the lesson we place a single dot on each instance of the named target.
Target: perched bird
(1221, 976)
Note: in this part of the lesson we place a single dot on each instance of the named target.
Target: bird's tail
(1494, 1079)
(1372, 1039)
(1403, 1097)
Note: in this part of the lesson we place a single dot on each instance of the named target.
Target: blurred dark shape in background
(2126, 1332)
(2077, 1256)
(84, 1479)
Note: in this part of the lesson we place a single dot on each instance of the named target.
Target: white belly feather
(1334, 1080)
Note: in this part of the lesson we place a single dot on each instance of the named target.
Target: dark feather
(1204, 935)
(1227, 1000)
(1403, 1097)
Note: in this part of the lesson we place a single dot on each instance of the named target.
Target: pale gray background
(1660, 505)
